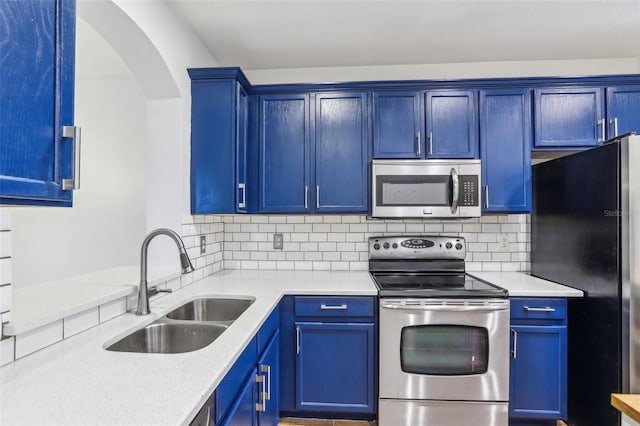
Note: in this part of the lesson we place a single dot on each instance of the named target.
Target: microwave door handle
(456, 190)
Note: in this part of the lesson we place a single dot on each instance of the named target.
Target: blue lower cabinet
(538, 369)
(335, 367)
(268, 408)
(243, 410)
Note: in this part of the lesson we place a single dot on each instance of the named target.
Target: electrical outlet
(504, 242)
(203, 244)
(277, 241)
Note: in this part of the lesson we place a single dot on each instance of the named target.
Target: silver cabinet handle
(75, 133)
(456, 189)
(267, 369)
(430, 152)
(614, 121)
(297, 340)
(419, 151)
(545, 309)
(486, 196)
(261, 405)
(306, 197)
(317, 196)
(242, 204)
(514, 352)
(333, 307)
(601, 123)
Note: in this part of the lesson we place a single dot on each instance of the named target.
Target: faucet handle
(155, 290)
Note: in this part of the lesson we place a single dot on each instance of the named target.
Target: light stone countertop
(523, 285)
(77, 382)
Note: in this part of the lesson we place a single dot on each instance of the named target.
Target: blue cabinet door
(335, 367)
(36, 100)
(538, 372)
(341, 152)
(242, 132)
(243, 411)
(268, 368)
(623, 110)
(569, 117)
(505, 141)
(451, 124)
(397, 125)
(284, 153)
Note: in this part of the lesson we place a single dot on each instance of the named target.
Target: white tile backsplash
(39, 338)
(113, 309)
(334, 242)
(6, 295)
(5, 271)
(80, 322)
(7, 350)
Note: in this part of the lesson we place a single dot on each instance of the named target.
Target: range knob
(458, 246)
(385, 245)
(395, 245)
(376, 246)
(448, 245)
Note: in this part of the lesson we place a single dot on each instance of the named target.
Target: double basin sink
(187, 328)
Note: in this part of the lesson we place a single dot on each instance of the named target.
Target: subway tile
(490, 227)
(277, 219)
(295, 219)
(265, 246)
(487, 237)
(259, 255)
(332, 219)
(471, 227)
(510, 266)
(257, 218)
(355, 237)
(6, 298)
(491, 267)
(337, 237)
(323, 227)
(80, 322)
(318, 237)
(327, 246)
(266, 264)
(7, 350)
(351, 219)
(232, 264)
(249, 264)
(433, 227)
(300, 237)
(113, 309)
(259, 236)
(5, 243)
(295, 256)
(477, 247)
(339, 266)
(303, 266)
(39, 338)
(481, 257)
(377, 227)
(277, 255)
(313, 218)
(309, 246)
(5, 271)
(349, 256)
(241, 255)
(312, 255)
(358, 227)
(232, 227)
(291, 246)
(414, 227)
(509, 227)
(242, 218)
(342, 247)
(284, 227)
(395, 227)
(5, 219)
(501, 257)
(267, 227)
(284, 265)
(248, 246)
(330, 255)
(345, 227)
(303, 227)
(489, 219)
(358, 266)
(321, 266)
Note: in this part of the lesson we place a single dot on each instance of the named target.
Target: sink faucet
(185, 263)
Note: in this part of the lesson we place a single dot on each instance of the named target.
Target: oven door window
(444, 350)
(417, 190)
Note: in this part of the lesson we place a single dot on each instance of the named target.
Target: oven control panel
(417, 247)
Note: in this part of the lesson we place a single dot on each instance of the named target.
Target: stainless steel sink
(211, 309)
(169, 338)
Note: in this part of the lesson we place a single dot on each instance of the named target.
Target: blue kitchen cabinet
(333, 367)
(341, 152)
(284, 177)
(37, 147)
(451, 124)
(397, 124)
(569, 117)
(505, 141)
(219, 137)
(623, 110)
(328, 357)
(538, 369)
(249, 393)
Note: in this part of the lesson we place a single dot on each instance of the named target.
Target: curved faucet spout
(185, 264)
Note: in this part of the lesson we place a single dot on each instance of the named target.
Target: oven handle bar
(445, 307)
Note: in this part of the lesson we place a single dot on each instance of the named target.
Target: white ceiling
(272, 34)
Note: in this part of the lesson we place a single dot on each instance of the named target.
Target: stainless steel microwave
(426, 188)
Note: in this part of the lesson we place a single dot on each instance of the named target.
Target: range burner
(435, 267)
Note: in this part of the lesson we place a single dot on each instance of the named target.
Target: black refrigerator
(585, 233)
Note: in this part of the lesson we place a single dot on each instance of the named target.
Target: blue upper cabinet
(623, 110)
(284, 153)
(219, 140)
(397, 124)
(451, 124)
(36, 102)
(569, 117)
(341, 152)
(505, 140)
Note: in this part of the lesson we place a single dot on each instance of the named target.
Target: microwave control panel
(469, 192)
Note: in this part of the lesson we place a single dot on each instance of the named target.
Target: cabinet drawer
(333, 306)
(539, 308)
(232, 383)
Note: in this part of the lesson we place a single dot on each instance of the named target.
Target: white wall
(448, 71)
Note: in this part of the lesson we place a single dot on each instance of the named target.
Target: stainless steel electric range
(444, 336)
